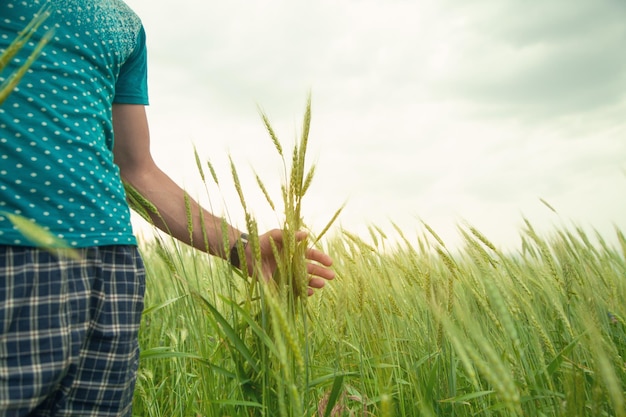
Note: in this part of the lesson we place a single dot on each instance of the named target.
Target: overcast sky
(434, 111)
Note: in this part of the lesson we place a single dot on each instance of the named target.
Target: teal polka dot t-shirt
(56, 133)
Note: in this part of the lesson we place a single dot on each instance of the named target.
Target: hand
(318, 265)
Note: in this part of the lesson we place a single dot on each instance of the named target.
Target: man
(72, 130)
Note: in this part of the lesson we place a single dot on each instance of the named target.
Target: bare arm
(132, 155)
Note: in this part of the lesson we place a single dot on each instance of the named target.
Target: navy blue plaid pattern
(68, 331)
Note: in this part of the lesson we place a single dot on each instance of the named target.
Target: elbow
(136, 172)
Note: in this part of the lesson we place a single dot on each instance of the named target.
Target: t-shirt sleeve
(132, 83)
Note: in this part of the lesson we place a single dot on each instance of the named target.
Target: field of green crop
(407, 330)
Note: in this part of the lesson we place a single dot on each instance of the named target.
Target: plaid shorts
(68, 331)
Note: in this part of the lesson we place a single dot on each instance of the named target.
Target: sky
(439, 112)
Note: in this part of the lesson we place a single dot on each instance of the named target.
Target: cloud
(436, 110)
(539, 60)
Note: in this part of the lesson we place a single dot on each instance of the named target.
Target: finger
(318, 256)
(317, 283)
(301, 235)
(320, 271)
(278, 237)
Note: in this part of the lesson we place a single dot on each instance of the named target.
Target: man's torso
(56, 135)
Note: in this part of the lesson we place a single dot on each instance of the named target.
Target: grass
(407, 329)
(539, 332)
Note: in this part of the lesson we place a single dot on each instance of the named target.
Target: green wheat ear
(139, 203)
(329, 224)
(41, 237)
(22, 38)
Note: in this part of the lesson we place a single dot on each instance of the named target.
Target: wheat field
(408, 328)
(411, 331)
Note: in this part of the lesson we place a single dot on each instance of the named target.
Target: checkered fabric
(68, 331)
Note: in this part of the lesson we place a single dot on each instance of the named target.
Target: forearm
(182, 217)
(173, 211)
(176, 213)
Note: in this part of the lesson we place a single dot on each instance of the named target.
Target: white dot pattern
(56, 133)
